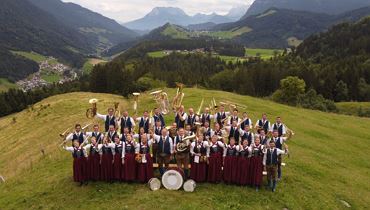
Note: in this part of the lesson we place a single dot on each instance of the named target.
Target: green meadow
(328, 161)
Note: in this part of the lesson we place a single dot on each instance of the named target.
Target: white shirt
(97, 147)
(183, 117)
(242, 132)
(278, 151)
(136, 145)
(247, 120)
(220, 144)
(258, 121)
(281, 124)
(103, 117)
(157, 138)
(227, 114)
(148, 144)
(282, 139)
(126, 118)
(240, 148)
(90, 134)
(110, 145)
(70, 136)
(199, 145)
(72, 149)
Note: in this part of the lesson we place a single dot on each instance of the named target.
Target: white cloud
(127, 10)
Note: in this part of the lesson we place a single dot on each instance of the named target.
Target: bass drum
(154, 184)
(173, 178)
(189, 186)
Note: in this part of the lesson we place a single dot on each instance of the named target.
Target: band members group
(210, 147)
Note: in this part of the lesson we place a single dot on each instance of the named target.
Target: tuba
(161, 98)
(183, 145)
(177, 100)
(91, 112)
(136, 101)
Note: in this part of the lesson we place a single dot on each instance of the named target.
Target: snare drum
(189, 186)
(154, 184)
(173, 178)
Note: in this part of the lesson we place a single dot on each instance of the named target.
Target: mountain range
(317, 6)
(162, 15)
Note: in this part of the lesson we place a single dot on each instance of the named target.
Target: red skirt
(117, 167)
(93, 164)
(106, 169)
(256, 169)
(230, 169)
(198, 171)
(129, 168)
(79, 169)
(243, 171)
(215, 168)
(145, 170)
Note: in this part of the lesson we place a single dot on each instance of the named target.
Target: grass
(228, 59)
(354, 108)
(35, 57)
(175, 32)
(90, 63)
(229, 34)
(51, 77)
(263, 53)
(157, 54)
(5, 85)
(328, 161)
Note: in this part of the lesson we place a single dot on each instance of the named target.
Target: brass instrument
(117, 111)
(65, 133)
(161, 98)
(233, 105)
(91, 112)
(136, 101)
(177, 100)
(200, 107)
(86, 126)
(289, 132)
(213, 107)
(184, 144)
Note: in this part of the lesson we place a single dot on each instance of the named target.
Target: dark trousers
(163, 161)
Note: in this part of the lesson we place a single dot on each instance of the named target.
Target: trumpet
(136, 101)
(161, 98)
(91, 112)
(177, 100)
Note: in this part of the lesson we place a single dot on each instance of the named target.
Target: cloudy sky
(127, 10)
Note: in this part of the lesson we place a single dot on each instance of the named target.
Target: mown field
(328, 163)
(35, 57)
(5, 85)
(354, 108)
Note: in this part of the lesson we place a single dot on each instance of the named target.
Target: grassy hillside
(90, 63)
(328, 161)
(6, 85)
(354, 108)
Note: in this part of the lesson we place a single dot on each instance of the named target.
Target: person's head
(116, 139)
(206, 124)
(206, 110)
(188, 127)
(181, 109)
(275, 133)
(158, 123)
(245, 115)
(78, 127)
(112, 128)
(96, 127)
(235, 123)
(217, 126)
(191, 111)
(257, 141)
(156, 111)
(110, 111)
(246, 128)
(106, 140)
(93, 140)
(76, 143)
(264, 116)
(174, 125)
(232, 141)
(181, 132)
(262, 132)
(200, 138)
(129, 137)
(126, 130)
(272, 144)
(144, 138)
(125, 113)
(245, 142)
(235, 112)
(278, 120)
(222, 108)
(214, 138)
(164, 132)
(146, 114)
(142, 130)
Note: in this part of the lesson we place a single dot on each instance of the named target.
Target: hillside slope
(328, 161)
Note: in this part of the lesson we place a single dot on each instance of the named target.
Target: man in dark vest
(234, 132)
(192, 119)
(165, 150)
(270, 160)
(221, 116)
(182, 157)
(206, 116)
(263, 124)
(157, 131)
(279, 126)
(246, 121)
(279, 143)
(109, 119)
(158, 117)
(111, 133)
(246, 134)
(234, 117)
(144, 122)
(97, 134)
(180, 118)
(126, 122)
(77, 135)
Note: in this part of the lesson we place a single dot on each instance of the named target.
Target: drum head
(189, 186)
(172, 180)
(154, 184)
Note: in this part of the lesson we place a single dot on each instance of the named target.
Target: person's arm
(241, 132)
(86, 141)
(69, 149)
(100, 116)
(183, 118)
(281, 152)
(284, 129)
(171, 145)
(132, 122)
(123, 151)
(69, 137)
(208, 150)
(87, 147)
(138, 119)
(264, 158)
(250, 123)
(224, 152)
(137, 148)
(88, 134)
(192, 145)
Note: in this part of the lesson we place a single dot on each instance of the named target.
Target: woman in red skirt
(215, 155)
(198, 151)
(128, 161)
(145, 165)
(256, 164)
(117, 165)
(231, 163)
(79, 162)
(244, 163)
(106, 160)
(93, 161)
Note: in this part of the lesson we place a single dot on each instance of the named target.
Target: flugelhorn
(91, 112)
(136, 101)
(177, 100)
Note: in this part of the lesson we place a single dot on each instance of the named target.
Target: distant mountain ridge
(162, 15)
(317, 6)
